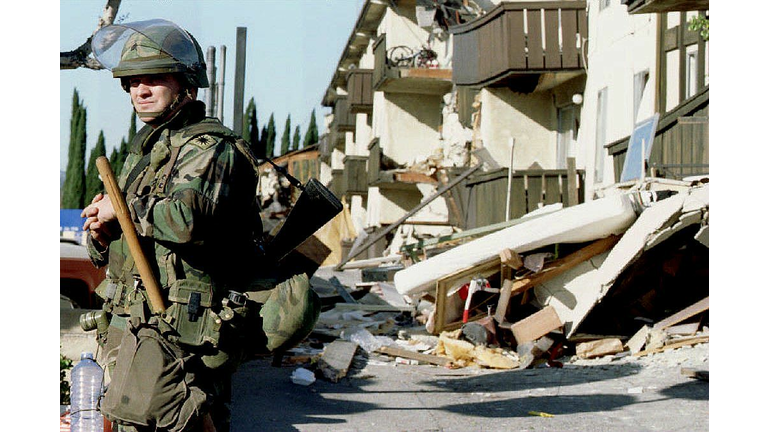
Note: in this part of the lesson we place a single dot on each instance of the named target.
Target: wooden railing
(520, 37)
(486, 194)
(681, 145)
(360, 90)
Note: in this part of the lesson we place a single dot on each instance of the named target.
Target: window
(604, 4)
(566, 134)
(641, 80)
(600, 133)
(691, 60)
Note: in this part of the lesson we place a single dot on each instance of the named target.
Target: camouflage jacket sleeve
(198, 193)
(99, 255)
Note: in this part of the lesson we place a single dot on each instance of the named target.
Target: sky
(292, 49)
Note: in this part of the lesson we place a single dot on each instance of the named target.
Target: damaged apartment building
(465, 136)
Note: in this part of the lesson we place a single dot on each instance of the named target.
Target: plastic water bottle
(87, 377)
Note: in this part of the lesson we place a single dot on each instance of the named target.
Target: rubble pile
(559, 289)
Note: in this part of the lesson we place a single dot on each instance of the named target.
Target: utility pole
(220, 84)
(237, 114)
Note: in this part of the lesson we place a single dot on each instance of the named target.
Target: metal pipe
(210, 92)
(220, 84)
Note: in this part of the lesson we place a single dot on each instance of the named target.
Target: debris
(342, 290)
(540, 414)
(510, 258)
(635, 390)
(676, 344)
(599, 348)
(582, 223)
(637, 342)
(404, 353)
(480, 332)
(696, 308)
(683, 329)
(536, 325)
(303, 377)
(530, 351)
(335, 360)
(494, 358)
(373, 308)
(365, 339)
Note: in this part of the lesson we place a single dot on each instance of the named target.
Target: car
(78, 276)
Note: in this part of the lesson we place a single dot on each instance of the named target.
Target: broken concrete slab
(578, 224)
(335, 360)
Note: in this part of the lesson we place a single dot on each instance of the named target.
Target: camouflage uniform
(190, 193)
(190, 187)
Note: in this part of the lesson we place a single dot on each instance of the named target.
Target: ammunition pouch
(191, 315)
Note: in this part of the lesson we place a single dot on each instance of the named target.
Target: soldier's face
(152, 94)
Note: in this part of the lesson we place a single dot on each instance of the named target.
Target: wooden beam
(678, 344)
(503, 304)
(696, 308)
(413, 177)
(383, 232)
(536, 325)
(404, 353)
(562, 265)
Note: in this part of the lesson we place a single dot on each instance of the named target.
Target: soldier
(190, 187)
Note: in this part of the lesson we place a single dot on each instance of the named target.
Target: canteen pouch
(190, 313)
(289, 313)
(150, 385)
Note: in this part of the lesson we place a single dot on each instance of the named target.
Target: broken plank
(683, 329)
(637, 342)
(342, 290)
(696, 308)
(501, 307)
(511, 258)
(562, 265)
(676, 344)
(402, 352)
(335, 360)
(536, 325)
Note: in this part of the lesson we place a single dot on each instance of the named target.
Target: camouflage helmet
(150, 47)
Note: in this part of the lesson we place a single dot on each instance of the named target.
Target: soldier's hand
(100, 219)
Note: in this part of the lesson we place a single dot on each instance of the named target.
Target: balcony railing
(360, 90)
(403, 70)
(520, 38)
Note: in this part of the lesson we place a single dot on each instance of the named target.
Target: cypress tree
(312, 136)
(296, 138)
(271, 136)
(74, 181)
(285, 141)
(93, 184)
(261, 150)
(122, 153)
(251, 124)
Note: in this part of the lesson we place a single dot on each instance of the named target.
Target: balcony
(401, 70)
(518, 42)
(355, 175)
(360, 91)
(343, 121)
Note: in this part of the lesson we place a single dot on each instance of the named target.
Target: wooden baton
(124, 217)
